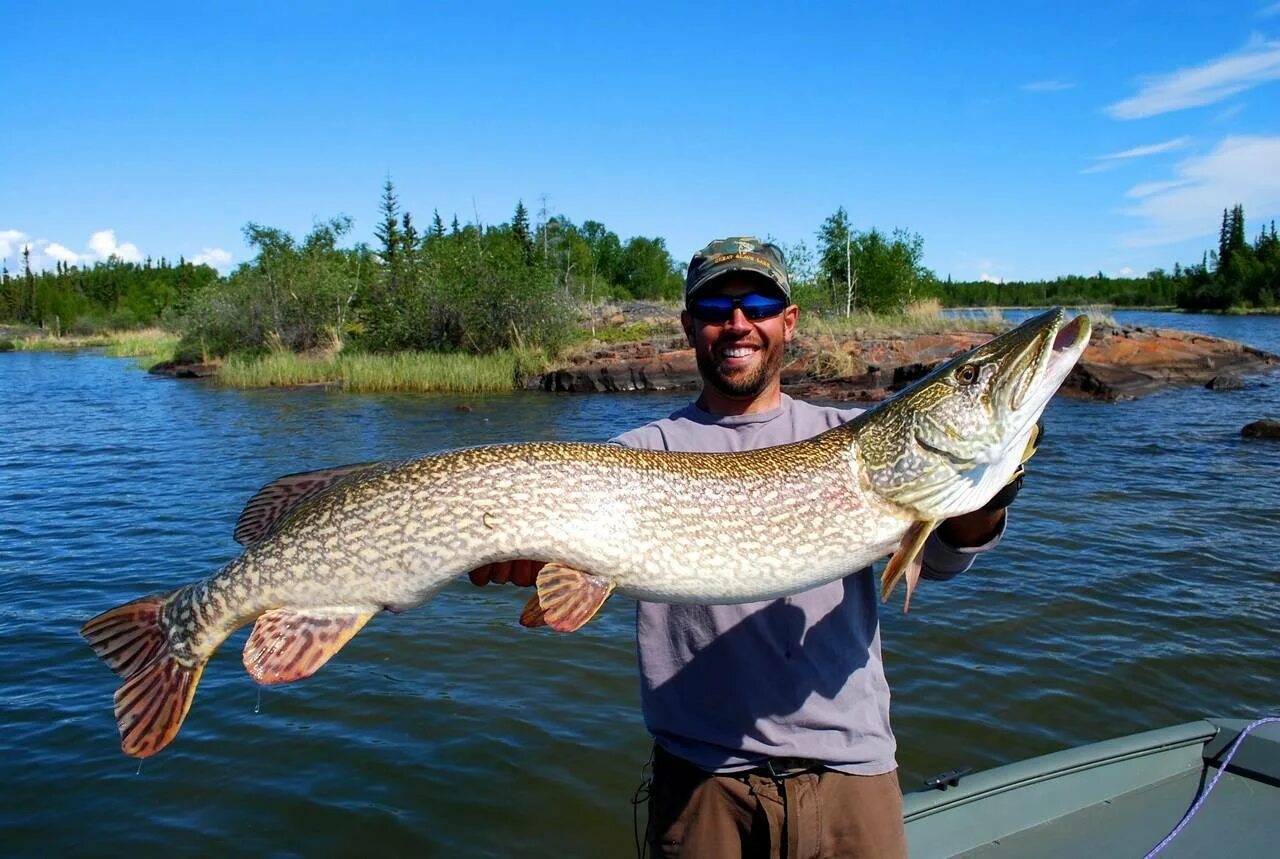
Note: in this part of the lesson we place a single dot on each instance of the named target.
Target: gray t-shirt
(726, 686)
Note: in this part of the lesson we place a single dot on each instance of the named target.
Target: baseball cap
(737, 253)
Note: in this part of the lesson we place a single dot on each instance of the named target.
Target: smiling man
(771, 719)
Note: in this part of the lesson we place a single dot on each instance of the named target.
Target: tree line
(1239, 275)
(479, 288)
(110, 294)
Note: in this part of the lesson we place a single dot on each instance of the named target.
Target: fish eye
(967, 375)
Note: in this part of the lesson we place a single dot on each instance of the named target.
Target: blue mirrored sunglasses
(719, 308)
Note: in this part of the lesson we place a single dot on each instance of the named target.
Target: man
(770, 720)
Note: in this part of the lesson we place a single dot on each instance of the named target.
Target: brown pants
(822, 814)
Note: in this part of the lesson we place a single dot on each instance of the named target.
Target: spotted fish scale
(326, 550)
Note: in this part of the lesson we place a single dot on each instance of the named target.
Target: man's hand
(521, 572)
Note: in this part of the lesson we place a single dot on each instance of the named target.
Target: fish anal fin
(292, 644)
(532, 615)
(275, 501)
(568, 597)
(907, 561)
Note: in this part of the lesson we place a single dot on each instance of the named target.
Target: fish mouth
(1052, 350)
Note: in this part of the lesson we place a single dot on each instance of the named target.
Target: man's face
(740, 359)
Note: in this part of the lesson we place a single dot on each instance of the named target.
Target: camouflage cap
(738, 253)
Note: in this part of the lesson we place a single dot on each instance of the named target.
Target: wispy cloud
(1211, 82)
(1115, 159)
(1239, 170)
(1146, 189)
(1047, 86)
(1269, 11)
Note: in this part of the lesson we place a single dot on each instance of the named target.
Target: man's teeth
(738, 352)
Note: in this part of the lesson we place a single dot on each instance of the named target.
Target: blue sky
(1026, 140)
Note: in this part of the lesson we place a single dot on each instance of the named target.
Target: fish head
(946, 444)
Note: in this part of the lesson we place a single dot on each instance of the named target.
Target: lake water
(1138, 586)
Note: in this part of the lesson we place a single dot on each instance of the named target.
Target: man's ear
(789, 317)
(686, 322)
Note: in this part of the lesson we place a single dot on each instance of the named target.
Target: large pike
(327, 550)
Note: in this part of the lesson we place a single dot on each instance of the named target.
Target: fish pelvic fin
(907, 561)
(292, 644)
(532, 615)
(568, 598)
(158, 689)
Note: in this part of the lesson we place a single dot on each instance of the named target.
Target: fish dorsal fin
(907, 561)
(567, 598)
(277, 499)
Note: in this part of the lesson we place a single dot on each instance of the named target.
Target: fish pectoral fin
(532, 615)
(273, 502)
(907, 561)
(1033, 441)
(292, 644)
(568, 598)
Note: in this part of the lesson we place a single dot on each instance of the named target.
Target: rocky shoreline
(1121, 363)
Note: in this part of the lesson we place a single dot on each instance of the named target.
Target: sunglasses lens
(719, 308)
(756, 306)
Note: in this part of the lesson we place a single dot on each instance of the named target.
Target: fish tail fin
(157, 689)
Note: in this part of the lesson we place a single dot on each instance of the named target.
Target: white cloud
(1126, 271)
(53, 250)
(1210, 82)
(1239, 170)
(1046, 86)
(1269, 11)
(11, 242)
(215, 257)
(1146, 189)
(45, 253)
(1110, 162)
(103, 244)
(988, 277)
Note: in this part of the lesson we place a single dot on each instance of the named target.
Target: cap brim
(759, 271)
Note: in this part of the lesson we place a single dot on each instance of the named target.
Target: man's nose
(738, 321)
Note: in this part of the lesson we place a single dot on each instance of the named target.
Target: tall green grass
(400, 371)
(148, 345)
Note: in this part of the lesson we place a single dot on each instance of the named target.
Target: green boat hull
(1120, 797)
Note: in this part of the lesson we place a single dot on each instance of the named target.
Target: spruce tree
(520, 228)
(437, 225)
(388, 232)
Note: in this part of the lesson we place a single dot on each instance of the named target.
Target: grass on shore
(404, 371)
(149, 345)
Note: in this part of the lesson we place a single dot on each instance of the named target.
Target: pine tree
(388, 232)
(1224, 238)
(520, 228)
(1236, 240)
(455, 229)
(437, 225)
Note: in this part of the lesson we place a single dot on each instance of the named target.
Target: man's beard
(740, 385)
